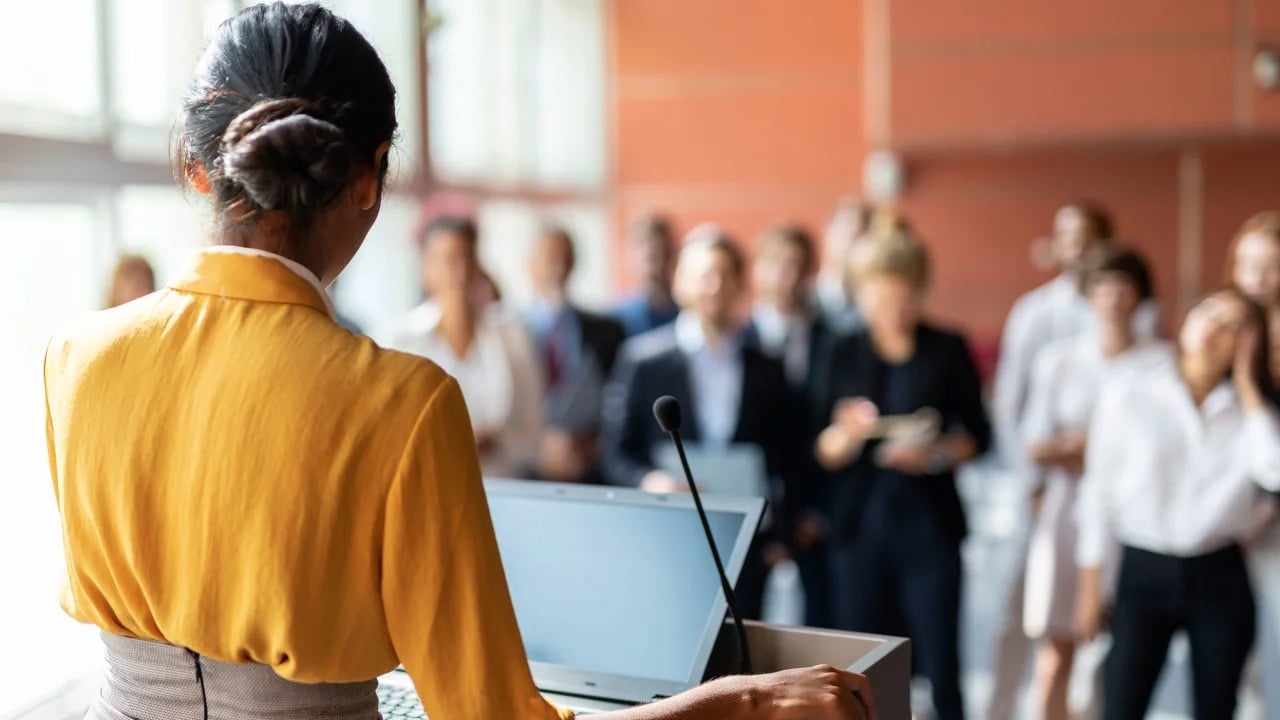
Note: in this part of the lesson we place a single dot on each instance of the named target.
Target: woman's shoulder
(941, 338)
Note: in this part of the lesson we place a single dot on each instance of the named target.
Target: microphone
(667, 411)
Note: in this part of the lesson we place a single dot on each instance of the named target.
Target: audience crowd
(1150, 465)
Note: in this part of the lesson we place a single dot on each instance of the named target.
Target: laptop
(614, 589)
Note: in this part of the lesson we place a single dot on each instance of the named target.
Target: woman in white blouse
(485, 350)
(1065, 383)
(1174, 455)
(1253, 266)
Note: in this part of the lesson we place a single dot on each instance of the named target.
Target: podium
(886, 661)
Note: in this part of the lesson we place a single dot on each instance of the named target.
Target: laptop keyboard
(401, 703)
(396, 703)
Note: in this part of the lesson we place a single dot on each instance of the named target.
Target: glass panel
(568, 95)
(464, 56)
(517, 92)
(154, 48)
(51, 85)
(162, 225)
(381, 284)
(53, 271)
(508, 227)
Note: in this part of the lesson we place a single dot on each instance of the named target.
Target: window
(50, 86)
(51, 273)
(517, 92)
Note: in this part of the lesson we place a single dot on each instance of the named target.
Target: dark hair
(712, 238)
(286, 100)
(655, 226)
(463, 227)
(1123, 261)
(1260, 363)
(799, 238)
(562, 234)
(1098, 218)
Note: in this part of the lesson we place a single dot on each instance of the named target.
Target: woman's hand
(908, 458)
(856, 417)
(817, 693)
(851, 421)
(1089, 605)
(1065, 450)
(657, 481)
(1242, 371)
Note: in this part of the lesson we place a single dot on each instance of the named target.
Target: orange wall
(744, 112)
(749, 112)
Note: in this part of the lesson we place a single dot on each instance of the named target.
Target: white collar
(298, 269)
(692, 341)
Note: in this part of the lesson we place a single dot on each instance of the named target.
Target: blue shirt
(715, 377)
(638, 316)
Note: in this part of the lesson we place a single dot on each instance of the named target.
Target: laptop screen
(616, 587)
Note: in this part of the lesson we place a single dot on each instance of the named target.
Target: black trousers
(900, 576)
(1209, 597)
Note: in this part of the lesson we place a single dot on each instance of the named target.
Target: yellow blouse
(240, 476)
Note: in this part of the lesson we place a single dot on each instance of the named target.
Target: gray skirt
(153, 681)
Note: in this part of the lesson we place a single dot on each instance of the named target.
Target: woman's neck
(259, 236)
(1115, 338)
(458, 323)
(1198, 377)
(894, 347)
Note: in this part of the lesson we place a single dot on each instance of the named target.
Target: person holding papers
(263, 512)
(905, 409)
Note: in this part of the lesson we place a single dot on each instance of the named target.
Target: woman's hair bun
(286, 156)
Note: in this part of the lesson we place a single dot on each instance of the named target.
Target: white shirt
(715, 374)
(1068, 377)
(785, 337)
(1166, 476)
(832, 299)
(1051, 312)
(298, 268)
(499, 377)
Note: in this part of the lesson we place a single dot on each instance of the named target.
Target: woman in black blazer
(895, 518)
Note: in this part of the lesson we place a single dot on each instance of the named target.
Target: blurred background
(978, 118)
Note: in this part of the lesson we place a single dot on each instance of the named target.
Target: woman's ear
(367, 185)
(197, 176)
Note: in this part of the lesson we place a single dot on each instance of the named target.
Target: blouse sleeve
(448, 611)
(1037, 423)
(1261, 439)
(1103, 462)
(523, 431)
(968, 412)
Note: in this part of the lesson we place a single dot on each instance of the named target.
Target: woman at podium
(261, 511)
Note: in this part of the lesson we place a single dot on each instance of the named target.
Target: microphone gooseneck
(667, 411)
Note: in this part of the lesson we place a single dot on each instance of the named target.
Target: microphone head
(667, 410)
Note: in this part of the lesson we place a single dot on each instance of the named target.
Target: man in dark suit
(731, 394)
(578, 349)
(787, 326)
